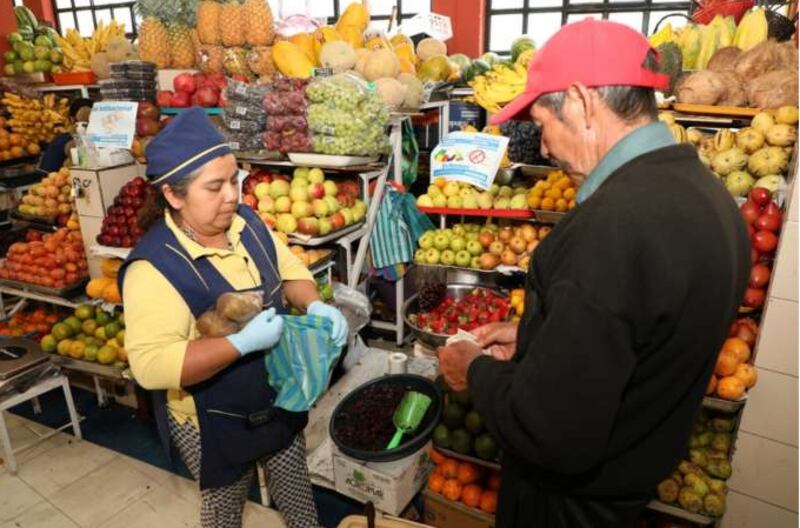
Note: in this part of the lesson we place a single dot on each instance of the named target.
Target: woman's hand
(261, 333)
(340, 327)
(500, 339)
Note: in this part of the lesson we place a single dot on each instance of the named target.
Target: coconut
(758, 60)
(392, 91)
(787, 56)
(724, 59)
(702, 87)
(773, 90)
(735, 94)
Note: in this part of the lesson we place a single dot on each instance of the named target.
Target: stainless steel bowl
(411, 306)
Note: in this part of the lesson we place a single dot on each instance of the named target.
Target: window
(84, 15)
(539, 19)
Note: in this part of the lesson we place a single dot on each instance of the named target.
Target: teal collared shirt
(637, 143)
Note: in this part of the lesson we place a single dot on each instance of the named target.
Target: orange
(5, 155)
(572, 204)
(5, 144)
(561, 205)
(33, 149)
(95, 287)
(15, 139)
(730, 388)
(548, 204)
(726, 364)
(554, 193)
(569, 194)
(435, 482)
(738, 347)
(17, 152)
(110, 267)
(452, 489)
(534, 202)
(747, 373)
(489, 501)
(436, 457)
(440, 182)
(450, 468)
(537, 192)
(712, 385)
(563, 183)
(494, 481)
(111, 293)
(471, 495)
(468, 473)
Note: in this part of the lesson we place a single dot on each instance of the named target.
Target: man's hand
(454, 361)
(500, 339)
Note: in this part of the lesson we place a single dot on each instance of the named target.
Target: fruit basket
(456, 292)
(369, 410)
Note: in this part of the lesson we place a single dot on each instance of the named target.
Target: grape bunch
(524, 142)
(368, 144)
(339, 94)
(322, 119)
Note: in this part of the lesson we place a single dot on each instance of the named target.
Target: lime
(453, 416)
(100, 334)
(76, 349)
(61, 331)
(8, 69)
(49, 343)
(112, 329)
(473, 422)
(10, 56)
(28, 66)
(120, 337)
(18, 66)
(43, 41)
(13, 37)
(462, 441)
(63, 347)
(102, 317)
(74, 323)
(89, 327)
(486, 447)
(441, 436)
(84, 311)
(41, 52)
(106, 355)
(56, 57)
(463, 398)
(90, 353)
(121, 319)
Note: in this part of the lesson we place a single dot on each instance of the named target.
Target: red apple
(765, 241)
(164, 98)
(308, 226)
(148, 110)
(250, 200)
(750, 212)
(768, 222)
(760, 196)
(217, 79)
(207, 96)
(337, 220)
(180, 100)
(146, 127)
(185, 82)
(754, 297)
(759, 276)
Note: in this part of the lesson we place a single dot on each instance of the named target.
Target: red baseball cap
(592, 52)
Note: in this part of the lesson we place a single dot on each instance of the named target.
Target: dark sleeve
(53, 156)
(555, 408)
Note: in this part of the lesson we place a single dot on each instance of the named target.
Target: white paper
(468, 157)
(112, 124)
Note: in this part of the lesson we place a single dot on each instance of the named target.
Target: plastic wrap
(243, 141)
(285, 103)
(242, 125)
(251, 94)
(287, 141)
(244, 110)
(283, 123)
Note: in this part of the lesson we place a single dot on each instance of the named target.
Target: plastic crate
(75, 78)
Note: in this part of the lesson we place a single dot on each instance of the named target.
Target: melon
(476, 67)
(338, 55)
(415, 92)
(430, 47)
(436, 69)
(392, 92)
(520, 45)
(381, 63)
(461, 60)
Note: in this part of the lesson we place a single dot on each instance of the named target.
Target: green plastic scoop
(408, 415)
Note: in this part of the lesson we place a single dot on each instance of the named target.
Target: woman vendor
(212, 398)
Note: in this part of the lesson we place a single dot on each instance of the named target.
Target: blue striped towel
(300, 364)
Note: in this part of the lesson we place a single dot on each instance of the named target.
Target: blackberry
(431, 294)
(524, 143)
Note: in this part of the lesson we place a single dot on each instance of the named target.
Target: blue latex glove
(340, 327)
(261, 333)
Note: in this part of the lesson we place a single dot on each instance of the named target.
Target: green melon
(519, 45)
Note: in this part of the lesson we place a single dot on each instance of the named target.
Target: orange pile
(13, 146)
(556, 193)
(465, 482)
(733, 375)
(105, 287)
(38, 321)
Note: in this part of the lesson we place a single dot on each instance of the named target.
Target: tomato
(759, 276)
(754, 297)
(765, 241)
(768, 222)
(71, 278)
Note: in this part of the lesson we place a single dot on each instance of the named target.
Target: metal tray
(725, 406)
(48, 221)
(330, 237)
(466, 458)
(65, 292)
(90, 367)
(327, 160)
(548, 217)
(499, 270)
(680, 513)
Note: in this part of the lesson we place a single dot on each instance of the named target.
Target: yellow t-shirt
(159, 323)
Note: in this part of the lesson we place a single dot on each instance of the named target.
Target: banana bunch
(753, 29)
(498, 86)
(37, 119)
(78, 51)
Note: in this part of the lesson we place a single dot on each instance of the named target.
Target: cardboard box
(443, 513)
(390, 486)
(95, 189)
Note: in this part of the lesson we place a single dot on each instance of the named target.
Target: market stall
(351, 143)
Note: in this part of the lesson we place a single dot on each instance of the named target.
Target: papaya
(291, 60)
(304, 41)
(354, 16)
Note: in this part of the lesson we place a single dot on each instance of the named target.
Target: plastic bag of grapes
(282, 123)
(343, 91)
(251, 94)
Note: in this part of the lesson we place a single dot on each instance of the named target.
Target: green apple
(440, 200)
(333, 203)
(519, 201)
(283, 204)
(459, 229)
(316, 176)
(465, 191)
(474, 248)
(424, 201)
(457, 243)
(261, 190)
(325, 226)
(28, 66)
(298, 182)
(434, 190)
(463, 258)
(448, 257)
(475, 263)
(330, 188)
(441, 241)
(451, 188)
(472, 235)
(454, 202)
(501, 203)
(494, 189)
(485, 200)
(299, 194)
(470, 202)
(419, 257)
(505, 192)
(279, 188)
(426, 240)
(432, 256)
(301, 172)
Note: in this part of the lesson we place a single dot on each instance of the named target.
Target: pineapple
(154, 45)
(210, 58)
(182, 46)
(232, 24)
(208, 15)
(235, 63)
(259, 59)
(259, 26)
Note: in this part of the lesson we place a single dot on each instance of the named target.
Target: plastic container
(73, 78)
(119, 75)
(142, 75)
(140, 66)
(141, 85)
(118, 67)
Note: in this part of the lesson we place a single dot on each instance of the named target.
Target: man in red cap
(628, 300)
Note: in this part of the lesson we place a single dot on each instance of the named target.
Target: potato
(211, 324)
(239, 306)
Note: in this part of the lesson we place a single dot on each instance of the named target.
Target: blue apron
(238, 422)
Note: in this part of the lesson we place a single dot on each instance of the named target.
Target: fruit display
(555, 193)
(194, 90)
(105, 287)
(106, 45)
(34, 120)
(482, 247)
(698, 483)
(734, 374)
(457, 195)
(461, 429)
(91, 334)
(754, 156)
(49, 199)
(309, 257)
(518, 303)
(284, 117)
(498, 86)
(524, 140)
(466, 482)
(764, 220)
(346, 117)
(33, 46)
(120, 226)
(308, 204)
(166, 37)
(33, 323)
(479, 307)
(52, 260)
(13, 146)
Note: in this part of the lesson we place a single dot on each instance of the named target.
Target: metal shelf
(35, 296)
(725, 406)
(680, 513)
(90, 367)
(331, 237)
(371, 167)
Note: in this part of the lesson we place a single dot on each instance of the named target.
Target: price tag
(235, 124)
(468, 157)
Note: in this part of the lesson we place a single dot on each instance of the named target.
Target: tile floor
(62, 483)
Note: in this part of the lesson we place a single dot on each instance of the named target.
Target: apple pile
(50, 198)
(120, 227)
(307, 203)
(455, 195)
(764, 219)
(480, 307)
(196, 89)
(54, 260)
(483, 247)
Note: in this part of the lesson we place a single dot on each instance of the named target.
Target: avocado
(486, 447)
(462, 441)
(453, 416)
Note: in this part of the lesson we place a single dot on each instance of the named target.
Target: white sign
(468, 157)
(112, 124)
